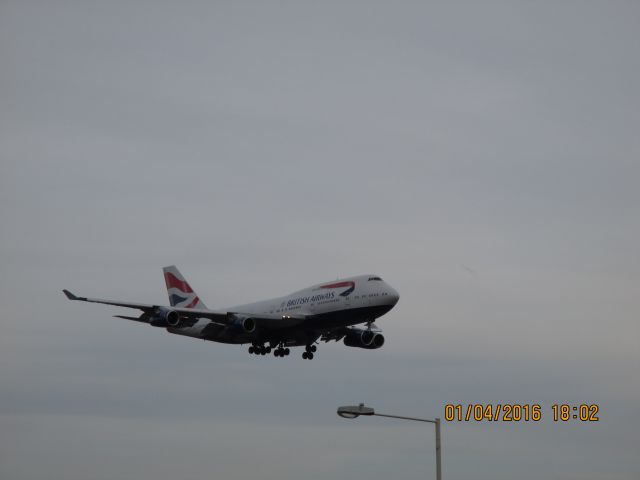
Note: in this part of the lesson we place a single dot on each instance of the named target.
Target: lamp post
(355, 411)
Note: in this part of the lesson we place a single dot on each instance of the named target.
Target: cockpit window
(374, 278)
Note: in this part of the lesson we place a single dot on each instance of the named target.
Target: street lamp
(355, 411)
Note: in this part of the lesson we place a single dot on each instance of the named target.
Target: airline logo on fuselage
(347, 292)
(324, 296)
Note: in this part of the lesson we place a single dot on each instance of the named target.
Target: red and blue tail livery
(179, 291)
(341, 310)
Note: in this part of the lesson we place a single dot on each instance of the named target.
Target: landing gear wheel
(276, 352)
(305, 355)
(313, 348)
(310, 356)
(287, 351)
(251, 350)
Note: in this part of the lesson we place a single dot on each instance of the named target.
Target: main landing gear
(281, 351)
(308, 353)
(259, 349)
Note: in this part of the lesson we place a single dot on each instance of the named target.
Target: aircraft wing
(221, 317)
(216, 316)
(276, 321)
(338, 333)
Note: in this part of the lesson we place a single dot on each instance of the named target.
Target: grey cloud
(264, 146)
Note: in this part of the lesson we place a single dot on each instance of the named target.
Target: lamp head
(351, 411)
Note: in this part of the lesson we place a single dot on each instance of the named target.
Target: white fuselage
(347, 301)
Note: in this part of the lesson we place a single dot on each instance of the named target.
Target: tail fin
(180, 293)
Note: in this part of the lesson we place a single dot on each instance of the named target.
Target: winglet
(70, 295)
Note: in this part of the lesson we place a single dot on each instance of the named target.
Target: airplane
(320, 313)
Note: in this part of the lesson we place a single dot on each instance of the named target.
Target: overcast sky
(482, 157)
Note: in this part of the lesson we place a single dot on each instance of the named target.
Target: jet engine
(241, 323)
(165, 317)
(360, 338)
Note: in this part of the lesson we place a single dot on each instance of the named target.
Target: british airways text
(314, 298)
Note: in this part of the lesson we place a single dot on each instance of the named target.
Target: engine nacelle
(242, 324)
(377, 342)
(165, 317)
(364, 339)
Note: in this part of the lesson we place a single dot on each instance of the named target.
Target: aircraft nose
(395, 296)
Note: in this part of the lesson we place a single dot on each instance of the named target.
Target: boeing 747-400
(323, 312)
